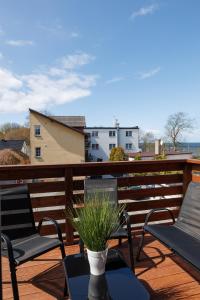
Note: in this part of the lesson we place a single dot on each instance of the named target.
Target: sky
(136, 61)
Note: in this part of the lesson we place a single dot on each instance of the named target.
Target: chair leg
(130, 244)
(119, 241)
(14, 281)
(66, 290)
(140, 246)
(62, 249)
(81, 246)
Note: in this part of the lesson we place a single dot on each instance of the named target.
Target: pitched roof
(11, 144)
(50, 118)
(73, 121)
(13, 157)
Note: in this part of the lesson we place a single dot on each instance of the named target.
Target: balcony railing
(142, 185)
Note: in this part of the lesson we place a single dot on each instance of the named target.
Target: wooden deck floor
(165, 275)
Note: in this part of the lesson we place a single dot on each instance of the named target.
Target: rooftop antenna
(116, 122)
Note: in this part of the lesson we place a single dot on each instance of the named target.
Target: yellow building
(53, 142)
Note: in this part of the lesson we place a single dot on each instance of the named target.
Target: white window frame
(111, 146)
(37, 127)
(95, 133)
(129, 146)
(112, 133)
(95, 146)
(38, 149)
(129, 133)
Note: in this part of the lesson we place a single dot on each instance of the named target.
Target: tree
(117, 154)
(14, 131)
(147, 141)
(8, 126)
(177, 124)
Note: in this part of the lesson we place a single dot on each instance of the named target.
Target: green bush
(117, 154)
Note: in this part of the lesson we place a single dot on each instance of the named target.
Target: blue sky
(137, 61)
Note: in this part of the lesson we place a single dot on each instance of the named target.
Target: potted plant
(95, 222)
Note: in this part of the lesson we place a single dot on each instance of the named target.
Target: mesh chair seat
(184, 236)
(176, 239)
(30, 247)
(21, 239)
(121, 232)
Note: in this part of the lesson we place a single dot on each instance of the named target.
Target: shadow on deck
(165, 275)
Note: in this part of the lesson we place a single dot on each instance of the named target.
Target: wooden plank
(149, 180)
(153, 192)
(47, 187)
(165, 276)
(158, 216)
(195, 178)
(57, 214)
(139, 193)
(50, 229)
(48, 201)
(30, 173)
(139, 180)
(187, 177)
(130, 167)
(53, 171)
(150, 204)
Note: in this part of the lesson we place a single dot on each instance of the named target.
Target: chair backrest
(16, 212)
(107, 186)
(189, 216)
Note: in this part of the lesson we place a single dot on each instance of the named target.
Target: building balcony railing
(142, 185)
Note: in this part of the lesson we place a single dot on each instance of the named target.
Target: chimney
(158, 147)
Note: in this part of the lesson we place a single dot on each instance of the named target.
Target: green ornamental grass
(96, 221)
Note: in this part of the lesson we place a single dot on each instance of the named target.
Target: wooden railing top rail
(95, 164)
(193, 161)
(88, 169)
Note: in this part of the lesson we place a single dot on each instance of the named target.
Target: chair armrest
(9, 246)
(158, 209)
(54, 223)
(127, 220)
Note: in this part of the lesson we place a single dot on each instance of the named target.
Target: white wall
(104, 140)
(123, 139)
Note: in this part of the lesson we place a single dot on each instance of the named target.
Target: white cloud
(19, 43)
(74, 61)
(74, 34)
(148, 74)
(114, 80)
(145, 10)
(53, 86)
(56, 29)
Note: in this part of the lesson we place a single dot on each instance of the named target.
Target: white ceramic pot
(97, 261)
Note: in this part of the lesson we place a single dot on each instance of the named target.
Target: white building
(101, 140)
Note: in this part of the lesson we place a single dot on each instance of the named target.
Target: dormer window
(37, 130)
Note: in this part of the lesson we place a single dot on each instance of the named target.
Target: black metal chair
(109, 187)
(21, 241)
(183, 237)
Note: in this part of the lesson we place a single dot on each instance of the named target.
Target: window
(37, 130)
(128, 146)
(128, 133)
(111, 146)
(95, 133)
(37, 152)
(111, 133)
(95, 146)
